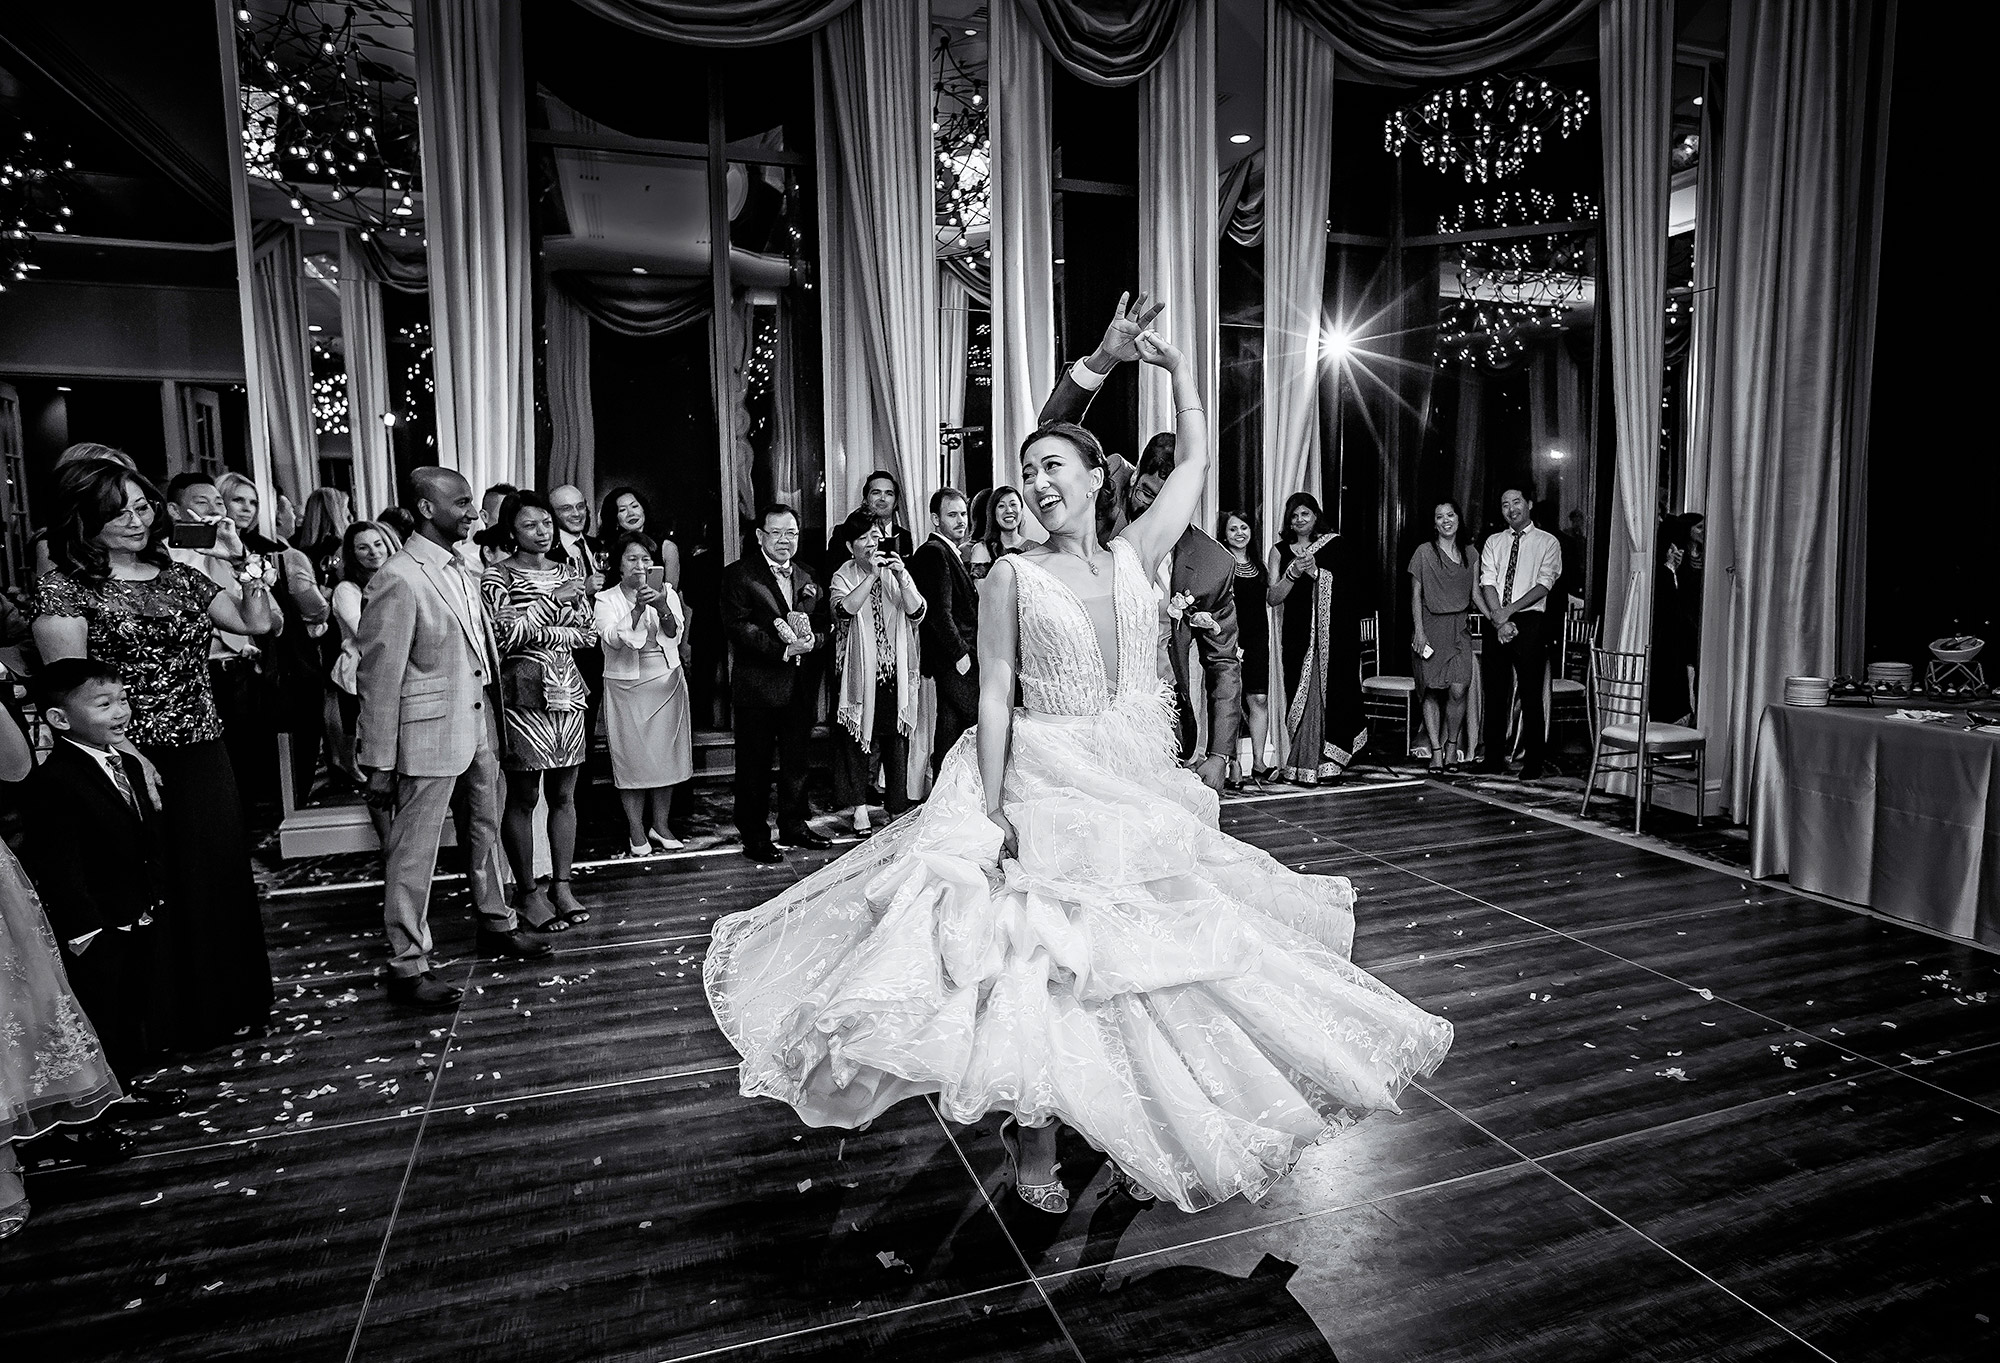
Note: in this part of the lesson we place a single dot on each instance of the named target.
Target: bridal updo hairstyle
(1086, 445)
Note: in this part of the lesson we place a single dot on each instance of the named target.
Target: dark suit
(589, 661)
(949, 631)
(1202, 569)
(101, 867)
(773, 699)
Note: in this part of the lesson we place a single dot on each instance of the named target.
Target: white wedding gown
(1177, 996)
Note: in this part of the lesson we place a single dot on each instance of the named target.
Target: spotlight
(1335, 344)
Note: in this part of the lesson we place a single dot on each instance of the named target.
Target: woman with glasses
(115, 595)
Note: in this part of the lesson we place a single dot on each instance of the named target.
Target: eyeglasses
(779, 534)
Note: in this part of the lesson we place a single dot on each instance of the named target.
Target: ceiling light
(1239, 138)
(1697, 101)
(638, 269)
(314, 326)
(62, 388)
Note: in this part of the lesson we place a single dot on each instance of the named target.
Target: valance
(719, 23)
(638, 305)
(1105, 42)
(1437, 39)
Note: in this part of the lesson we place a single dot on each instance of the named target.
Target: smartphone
(656, 578)
(192, 535)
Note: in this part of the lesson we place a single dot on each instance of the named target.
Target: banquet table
(1903, 817)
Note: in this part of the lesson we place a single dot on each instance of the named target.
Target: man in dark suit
(882, 497)
(94, 847)
(949, 632)
(778, 620)
(576, 547)
(1197, 579)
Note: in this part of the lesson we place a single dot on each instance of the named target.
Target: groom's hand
(1121, 338)
(1213, 771)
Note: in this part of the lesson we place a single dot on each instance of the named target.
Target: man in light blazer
(428, 735)
(1198, 575)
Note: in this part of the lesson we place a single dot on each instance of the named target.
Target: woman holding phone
(643, 626)
(876, 607)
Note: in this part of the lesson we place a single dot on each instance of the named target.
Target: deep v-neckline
(1083, 609)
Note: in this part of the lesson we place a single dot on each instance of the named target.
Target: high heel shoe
(1049, 1197)
(1122, 1182)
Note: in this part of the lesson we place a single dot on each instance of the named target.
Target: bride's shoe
(1043, 1197)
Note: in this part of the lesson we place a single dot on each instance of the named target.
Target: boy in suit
(773, 681)
(94, 848)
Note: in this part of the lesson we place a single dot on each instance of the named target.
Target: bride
(1061, 932)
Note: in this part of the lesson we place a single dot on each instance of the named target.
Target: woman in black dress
(116, 596)
(1321, 644)
(1238, 533)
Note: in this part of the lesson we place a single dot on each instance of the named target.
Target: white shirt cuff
(1086, 378)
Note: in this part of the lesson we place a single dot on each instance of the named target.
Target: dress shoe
(804, 837)
(423, 991)
(763, 854)
(101, 1142)
(516, 943)
(154, 1100)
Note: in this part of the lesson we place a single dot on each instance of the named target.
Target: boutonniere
(804, 588)
(1178, 603)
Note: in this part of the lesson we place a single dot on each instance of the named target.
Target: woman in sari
(1320, 644)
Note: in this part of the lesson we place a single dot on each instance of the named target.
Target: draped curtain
(719, 23)
(573, 446)
(361, 333)
(876, 234)
(954, 332)
(284, 350)
(1413, 41)
(1177, 246)
(1239, 213)
(1105, 42)
(1635, 74)
(637, 305)
(1298, 177)
(1794, 305)
(470, 83)
(1023, 291)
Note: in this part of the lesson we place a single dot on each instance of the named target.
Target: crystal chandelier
(1510, 286)
(1488, 129)
(326, 119)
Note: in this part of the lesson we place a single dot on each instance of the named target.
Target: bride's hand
(1010, 841)
(1157, 349)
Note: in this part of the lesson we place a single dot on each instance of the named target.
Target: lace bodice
(1061, 667)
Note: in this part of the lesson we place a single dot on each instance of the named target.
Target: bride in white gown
(1061, 932)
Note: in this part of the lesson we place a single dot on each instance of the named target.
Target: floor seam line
(903, 1310)
(1577, 1192)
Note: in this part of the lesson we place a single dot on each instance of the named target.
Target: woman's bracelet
(1183, 411)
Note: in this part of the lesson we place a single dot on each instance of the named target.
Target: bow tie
(783, 570)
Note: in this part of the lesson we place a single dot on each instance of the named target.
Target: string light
(326, 118)
(36, 181)
(962, 135)
(1486, 130)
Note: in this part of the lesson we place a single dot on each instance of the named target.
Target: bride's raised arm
(1155, 531)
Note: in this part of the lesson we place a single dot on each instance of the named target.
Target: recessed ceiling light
(1697, 100)
(62, 388)
(638, 269)
(313, 326)
(1239, 138)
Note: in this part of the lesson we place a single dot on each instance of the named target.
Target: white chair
(1391, 700)
(1619, 683)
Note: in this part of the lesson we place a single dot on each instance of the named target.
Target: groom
(1197, 579)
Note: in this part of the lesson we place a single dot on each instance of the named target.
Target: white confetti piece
(1706, 995)
(645, 1225)
(805, 1184)
(151, 1200)
(1675, 1073)
(889, 1259)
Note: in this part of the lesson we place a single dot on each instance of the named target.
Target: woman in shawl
(876, 608)
(1320, 634)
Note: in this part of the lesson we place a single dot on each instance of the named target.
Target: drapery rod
(1067, 185)
(742, 152)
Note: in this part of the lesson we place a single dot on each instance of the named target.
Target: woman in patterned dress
(541, 615)
(115, 595)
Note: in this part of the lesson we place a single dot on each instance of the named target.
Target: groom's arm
(1075, 389)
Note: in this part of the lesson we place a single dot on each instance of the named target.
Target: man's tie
(1513, 561)
(116, 768)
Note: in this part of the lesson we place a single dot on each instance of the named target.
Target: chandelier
(961, 134)
(36, 179)
(326, 119)
(1488, 129)
(1512, 285)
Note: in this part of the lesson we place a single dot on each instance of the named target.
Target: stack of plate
(1891, 674)
(1807, 690)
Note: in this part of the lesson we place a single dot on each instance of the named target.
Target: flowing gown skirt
(1177, 996)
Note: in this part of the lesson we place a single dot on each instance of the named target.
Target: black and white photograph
(998, 681)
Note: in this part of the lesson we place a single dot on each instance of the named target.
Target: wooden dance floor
(1687, 1117)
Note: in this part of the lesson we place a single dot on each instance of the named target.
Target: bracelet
(1183, 411)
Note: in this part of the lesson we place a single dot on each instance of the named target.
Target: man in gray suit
(428, 735)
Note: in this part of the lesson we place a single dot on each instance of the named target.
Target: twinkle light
(1486, 130)
(361, 111)
(961, 134)
(36, 181)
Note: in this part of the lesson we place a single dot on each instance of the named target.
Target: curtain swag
(719, 23)
(1105, 42)
(1439, 39)
(638, 305)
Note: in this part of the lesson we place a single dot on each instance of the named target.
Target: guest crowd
(458, 654)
